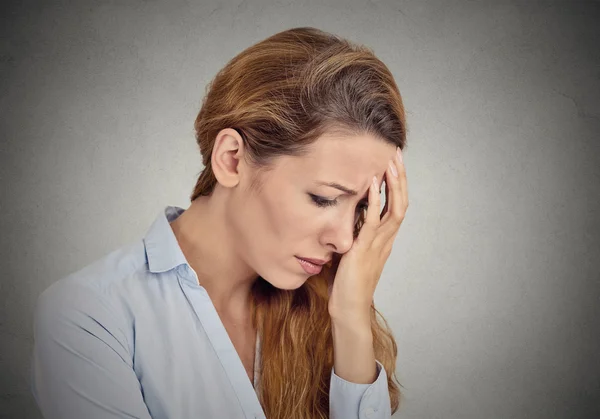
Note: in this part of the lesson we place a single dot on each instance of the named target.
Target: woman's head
(298, 108)
(301, 107)
(290, 211)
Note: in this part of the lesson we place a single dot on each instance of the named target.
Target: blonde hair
(281, 95)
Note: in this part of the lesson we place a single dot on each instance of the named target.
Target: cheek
(293, 224)
(279, 216)
(292, 220)
(287, 213)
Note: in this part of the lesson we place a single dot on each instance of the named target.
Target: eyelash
(322, 202)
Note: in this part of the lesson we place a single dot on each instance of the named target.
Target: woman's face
(295, 214)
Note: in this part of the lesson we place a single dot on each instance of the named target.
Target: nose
(340, 234)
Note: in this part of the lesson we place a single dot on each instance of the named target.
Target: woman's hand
(359, 269)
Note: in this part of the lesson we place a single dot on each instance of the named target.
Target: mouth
(310, 267)
(319, 262)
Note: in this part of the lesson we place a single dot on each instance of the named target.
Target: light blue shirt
(134, 335)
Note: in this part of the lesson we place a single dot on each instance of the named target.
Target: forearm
(354, 356)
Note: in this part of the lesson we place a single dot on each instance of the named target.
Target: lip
(309, 267)
(314, 261)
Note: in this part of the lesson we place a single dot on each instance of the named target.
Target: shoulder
(104, 277)
(94, 298)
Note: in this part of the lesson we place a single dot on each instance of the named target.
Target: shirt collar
(162, 249)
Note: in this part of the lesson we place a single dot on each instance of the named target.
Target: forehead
(351, 160)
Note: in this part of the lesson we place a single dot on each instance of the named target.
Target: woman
(297, 134)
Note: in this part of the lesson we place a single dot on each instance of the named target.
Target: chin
(288, 285)
(286, 281)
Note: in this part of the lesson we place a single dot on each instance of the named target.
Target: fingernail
(399, 152)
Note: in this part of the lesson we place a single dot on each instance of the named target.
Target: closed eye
(323, 202)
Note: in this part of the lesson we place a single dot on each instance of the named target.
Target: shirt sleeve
(360, 401)
(81, 365)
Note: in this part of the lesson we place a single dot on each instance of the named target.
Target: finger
(372, 219)
(392, 220)
(385, 207)
(402, 179)
(393, 194)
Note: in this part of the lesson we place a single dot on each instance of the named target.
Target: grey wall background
(492, 288)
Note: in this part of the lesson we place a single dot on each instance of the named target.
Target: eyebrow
(340, 187)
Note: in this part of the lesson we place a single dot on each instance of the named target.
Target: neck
(209, 246)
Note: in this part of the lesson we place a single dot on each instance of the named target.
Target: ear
(226, 155)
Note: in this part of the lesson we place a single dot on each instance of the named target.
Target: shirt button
(369, 413)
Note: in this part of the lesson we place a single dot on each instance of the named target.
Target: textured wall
(492, 287)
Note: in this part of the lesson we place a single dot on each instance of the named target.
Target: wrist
(362, 316)
(358, 326)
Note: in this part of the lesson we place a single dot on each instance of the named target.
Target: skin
(246, 233)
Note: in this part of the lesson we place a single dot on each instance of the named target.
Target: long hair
(281, 95)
